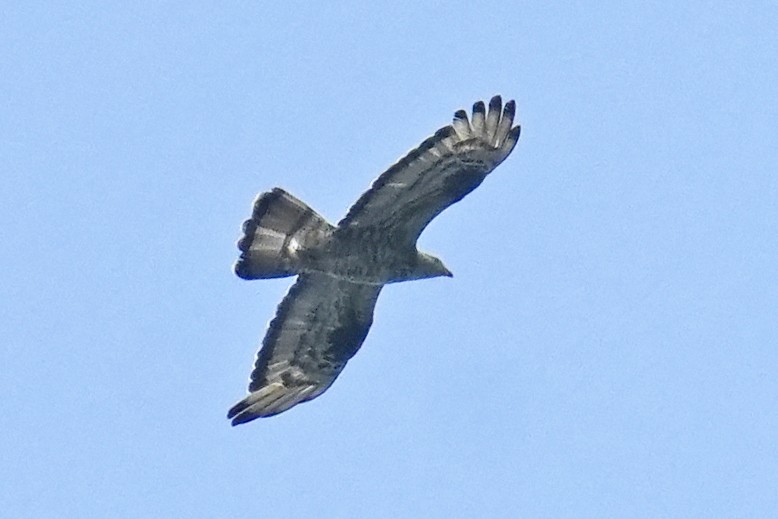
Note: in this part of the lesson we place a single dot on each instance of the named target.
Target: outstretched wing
(318, 327)
(440, 172)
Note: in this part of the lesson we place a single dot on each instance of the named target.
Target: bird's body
(325, 317)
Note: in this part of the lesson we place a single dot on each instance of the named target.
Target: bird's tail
(277, 236)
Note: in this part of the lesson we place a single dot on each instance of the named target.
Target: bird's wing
(440, 172)
(318, 327)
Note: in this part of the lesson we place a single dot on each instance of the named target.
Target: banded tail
(280, 228)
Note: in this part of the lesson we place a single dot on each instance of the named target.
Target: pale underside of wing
(318, 327)
(440, 172)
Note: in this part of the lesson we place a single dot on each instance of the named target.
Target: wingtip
(515, 132)
(236, 409)
(242, 268)
(241, 413)
(461, 125)
(511, 140)
(243, 418)
(495, 103)
(510, 109)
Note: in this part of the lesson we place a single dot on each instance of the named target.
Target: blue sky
(607, 347)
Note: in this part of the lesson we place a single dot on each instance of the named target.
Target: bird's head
(429, 266)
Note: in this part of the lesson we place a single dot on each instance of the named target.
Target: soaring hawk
(340, 269)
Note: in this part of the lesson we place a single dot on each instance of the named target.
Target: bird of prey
(324, 318)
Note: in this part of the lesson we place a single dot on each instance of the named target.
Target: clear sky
(608, 346)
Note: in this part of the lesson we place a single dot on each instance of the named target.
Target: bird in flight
(324, 318)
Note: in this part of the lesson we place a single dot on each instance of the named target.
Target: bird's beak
(449, 274)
